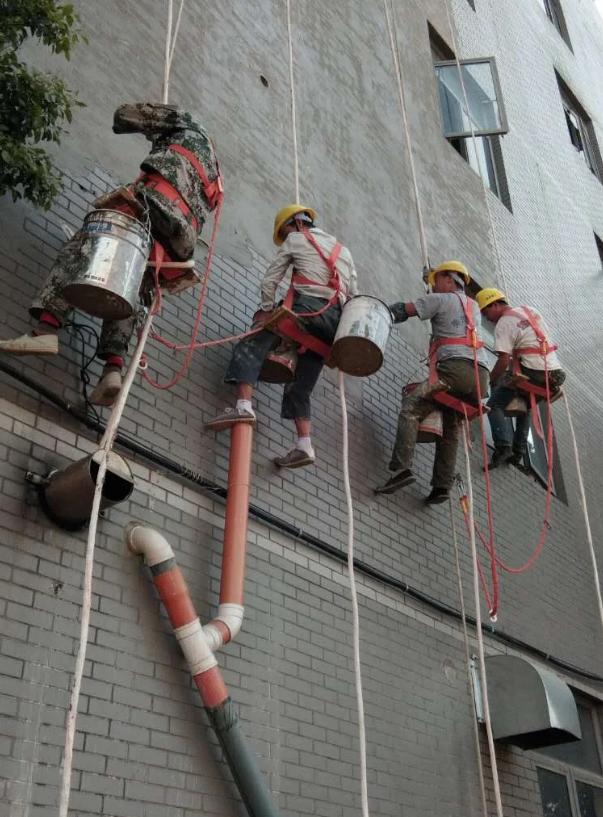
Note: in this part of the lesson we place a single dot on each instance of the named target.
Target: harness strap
(470, 339)
(213, 190)
(543, 349)
(155, 181)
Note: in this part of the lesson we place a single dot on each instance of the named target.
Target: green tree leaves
(34, 106)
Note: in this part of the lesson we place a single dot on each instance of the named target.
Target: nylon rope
(459, 577)
(589, 536)
(478, 626)
(393, 41)
(354, 595)
(293, 105)
(105, 446)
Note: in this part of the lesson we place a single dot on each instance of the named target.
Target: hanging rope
(293, 105)
(589, 536)
(106, 445)
(459, 577)
(354, 595)
(393, 40)
(478, 625)
(170, 46)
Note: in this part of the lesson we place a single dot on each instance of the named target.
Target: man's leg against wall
(112, 348)
(444, 464)
(296, 406)
(243, 372)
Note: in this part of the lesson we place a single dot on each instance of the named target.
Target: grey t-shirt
(447, 315)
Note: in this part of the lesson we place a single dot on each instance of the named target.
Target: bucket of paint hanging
(108, 265)
(516, 407)
(362, 336)
(279, 366)
(67, 495)
(431, 427)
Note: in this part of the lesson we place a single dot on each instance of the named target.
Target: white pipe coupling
(146, 541)
(231, 616)
(195, 647)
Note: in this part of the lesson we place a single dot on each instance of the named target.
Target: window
(581, 130)
(570, 775)
(553, 10)
(486, 113)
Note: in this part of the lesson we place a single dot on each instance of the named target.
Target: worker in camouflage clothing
(178, 187)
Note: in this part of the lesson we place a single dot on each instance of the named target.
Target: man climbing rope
(178, 187)
(520, 338)
(323, 279)
(455, 322)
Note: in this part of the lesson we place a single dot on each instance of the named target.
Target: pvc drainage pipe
(173, 592)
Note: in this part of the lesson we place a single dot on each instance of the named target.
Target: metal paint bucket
(66, 497)
(516, 407)
(279, 366)
(111, 262)
(362, 335)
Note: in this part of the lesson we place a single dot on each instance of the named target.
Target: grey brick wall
(143, 746)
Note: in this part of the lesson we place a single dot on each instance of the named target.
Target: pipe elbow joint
(147, 542)
(229, 618)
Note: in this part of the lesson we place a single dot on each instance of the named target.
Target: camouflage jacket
(165, 125)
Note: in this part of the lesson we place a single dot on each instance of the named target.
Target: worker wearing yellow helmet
(323, 278)
(452, 313)
(521, 337)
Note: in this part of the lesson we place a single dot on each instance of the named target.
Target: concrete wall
(143, 746)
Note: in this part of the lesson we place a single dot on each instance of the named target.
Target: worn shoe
(396, 482)
(437, 496)
(296, 458)
(107, 389)
(230, 417)
(31, 345)
(501, 455)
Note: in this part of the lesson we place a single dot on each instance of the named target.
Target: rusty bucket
(516, 407)
(362, 336)
(431, 427)
(279, 366)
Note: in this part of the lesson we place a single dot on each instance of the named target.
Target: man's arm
(500, 367)
(403, 311)
(274, 275)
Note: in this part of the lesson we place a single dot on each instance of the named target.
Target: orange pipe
(174, 594)
(236, 514)
(211, 687)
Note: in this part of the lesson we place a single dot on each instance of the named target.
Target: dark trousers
(249, 354)
(459, 374)
(503, 434)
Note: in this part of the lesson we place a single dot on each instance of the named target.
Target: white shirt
(297, 251)
(514, 331)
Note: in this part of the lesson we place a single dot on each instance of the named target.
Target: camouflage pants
(115, 335)
(459, 374)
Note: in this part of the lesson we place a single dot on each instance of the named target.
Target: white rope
(478, 626)
(168, 45)
(293, 106)
(355, 613)
(478, 752)
(589, 536)
(482, 175)
(105, 446)
(176, 30)
(393, 41)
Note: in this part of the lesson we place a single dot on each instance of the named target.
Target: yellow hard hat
(485, 297)
(285, 214)
(449, 266)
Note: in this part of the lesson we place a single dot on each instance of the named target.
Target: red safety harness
(543, 349)
(288, 326)
(214, 190)
(471, 340)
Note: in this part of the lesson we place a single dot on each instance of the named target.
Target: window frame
(589, 146)
(504, 124)
(573, 774)
(555, 15)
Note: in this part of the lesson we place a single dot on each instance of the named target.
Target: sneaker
(437, 496)
(31, 345)
(501, 455)
(399, 480)
(230, 417)
(107, 389)
(296, 458)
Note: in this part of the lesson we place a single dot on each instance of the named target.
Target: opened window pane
(486, 111)
(590, 800)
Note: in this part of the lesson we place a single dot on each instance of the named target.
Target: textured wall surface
(143, 746)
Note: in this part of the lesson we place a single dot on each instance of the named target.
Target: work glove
(398, 310)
